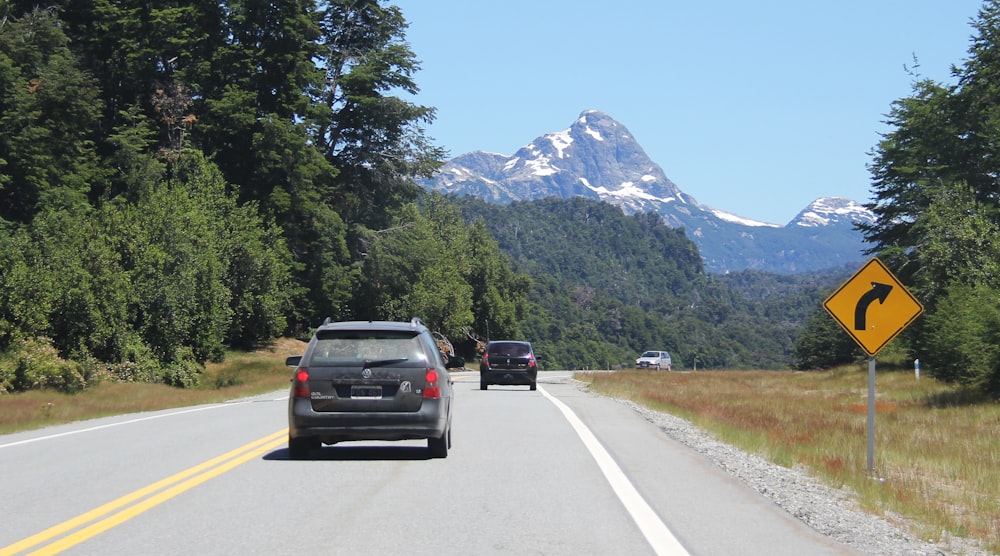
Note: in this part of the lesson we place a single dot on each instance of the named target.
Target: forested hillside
(606, 286)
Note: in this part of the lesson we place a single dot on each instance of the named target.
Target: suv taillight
(300, 381)
(431, 389)
(531, 361)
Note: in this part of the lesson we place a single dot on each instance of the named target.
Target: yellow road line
(182, 481)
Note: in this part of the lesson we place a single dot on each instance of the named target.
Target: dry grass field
(937, 448)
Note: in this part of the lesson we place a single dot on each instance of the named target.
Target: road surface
(555, 471)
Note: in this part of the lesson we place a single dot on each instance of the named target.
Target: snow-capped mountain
(833, 210)
(597, 157)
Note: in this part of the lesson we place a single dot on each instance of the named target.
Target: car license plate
(366, 392)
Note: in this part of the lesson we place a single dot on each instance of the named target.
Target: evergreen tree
(937, 195)
(375, 139)
(49, 109)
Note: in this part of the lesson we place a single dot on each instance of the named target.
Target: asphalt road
(554, 471)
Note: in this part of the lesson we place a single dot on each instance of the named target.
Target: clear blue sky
(756, 108)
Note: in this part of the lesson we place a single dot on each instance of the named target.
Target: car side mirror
(293, 361)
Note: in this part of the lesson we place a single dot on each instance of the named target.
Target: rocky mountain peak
(597, 158)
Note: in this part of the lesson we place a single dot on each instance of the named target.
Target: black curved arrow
(878, 291)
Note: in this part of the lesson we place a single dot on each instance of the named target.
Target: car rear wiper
(381, 362)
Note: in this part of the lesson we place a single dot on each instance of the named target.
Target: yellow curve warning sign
(873, 307)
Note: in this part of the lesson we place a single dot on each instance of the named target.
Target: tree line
(182, 178)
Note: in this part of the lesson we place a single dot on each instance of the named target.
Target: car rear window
(352, 347)
(509, 349)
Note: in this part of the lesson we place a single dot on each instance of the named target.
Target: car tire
(482, 385)
(299, 448)
(533, 386)
(438, 447)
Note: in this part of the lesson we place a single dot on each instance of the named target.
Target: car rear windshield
(337, 347)
(510, 349)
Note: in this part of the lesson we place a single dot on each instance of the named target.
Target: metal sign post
(873, 307)
(871, 414)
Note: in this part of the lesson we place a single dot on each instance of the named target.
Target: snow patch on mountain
(561, 141)
(735, 219)
(829, 210)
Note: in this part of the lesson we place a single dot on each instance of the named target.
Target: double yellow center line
(118, 511)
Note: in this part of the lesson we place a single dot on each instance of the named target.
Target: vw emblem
(366, 373)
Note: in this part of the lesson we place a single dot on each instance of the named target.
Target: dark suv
(370, 381)
(508, 362)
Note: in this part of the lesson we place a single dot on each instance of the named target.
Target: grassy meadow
(937, 448)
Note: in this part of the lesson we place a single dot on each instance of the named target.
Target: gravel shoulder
(832, 512)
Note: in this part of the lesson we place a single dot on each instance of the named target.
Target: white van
(653, 359)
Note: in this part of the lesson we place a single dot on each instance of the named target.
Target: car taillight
(301, 383)
(431, 389)
(531, 361)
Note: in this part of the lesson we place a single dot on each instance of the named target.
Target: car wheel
(298, 448)
(482, 385)
(533, 386)
(438, 447)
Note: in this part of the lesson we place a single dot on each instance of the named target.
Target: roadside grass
(242, 374)
(937, 447)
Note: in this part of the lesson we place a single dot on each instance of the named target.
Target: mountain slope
(607, 286)
(597, 158)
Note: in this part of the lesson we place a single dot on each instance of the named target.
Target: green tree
(89, 293)
(418, 267)
(177, 273)
(963, 337)
(499, 294)
(960, 243)
(936, 191)
(297, 197)
(823, 344)
(25, 294)
(374, 138)
(50, 109)
(255, 85)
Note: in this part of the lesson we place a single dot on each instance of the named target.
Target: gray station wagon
(370, 380)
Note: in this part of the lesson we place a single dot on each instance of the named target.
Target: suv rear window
(345, 347)
(509, 349)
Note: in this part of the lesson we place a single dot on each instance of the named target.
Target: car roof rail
(415, 321)
(326, 321)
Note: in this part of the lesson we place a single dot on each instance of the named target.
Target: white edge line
(656, 532)
(99, 427)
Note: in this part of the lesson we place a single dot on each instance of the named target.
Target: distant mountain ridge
(597, 158)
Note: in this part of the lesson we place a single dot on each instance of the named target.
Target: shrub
(184, 371)
(37, 365)
(963, 343)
